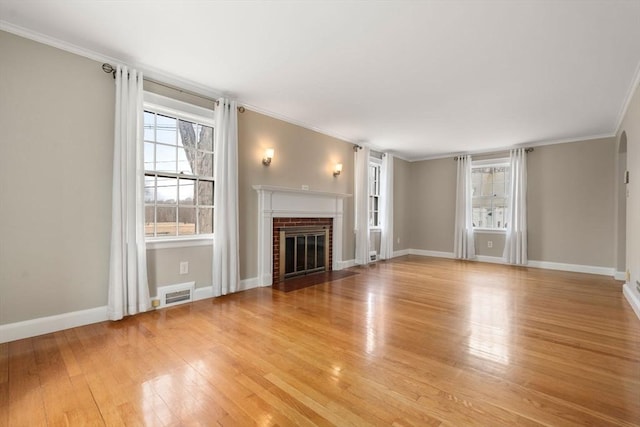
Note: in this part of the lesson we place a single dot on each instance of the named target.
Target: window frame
(488, 163)
(377, 164)
(179, 110)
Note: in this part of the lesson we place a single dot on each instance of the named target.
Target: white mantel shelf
(286, 202)
(277, 189)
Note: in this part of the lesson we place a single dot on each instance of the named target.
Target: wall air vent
(176, 294)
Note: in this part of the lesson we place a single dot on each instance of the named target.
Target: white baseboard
(205, 292)
(437, 254)
(251, 283)
(401, 252)
(576, 268)
(490, 259)
(346, 264)
(632, 298)
(46, 325)
(620, 275)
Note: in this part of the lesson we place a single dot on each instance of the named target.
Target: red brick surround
(279, 223)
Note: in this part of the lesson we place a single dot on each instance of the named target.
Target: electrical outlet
(184, 267)
(489, 243)
(305, 187)
(398, 240)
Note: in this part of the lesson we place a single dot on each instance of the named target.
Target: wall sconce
(268, 155)
(337, 169)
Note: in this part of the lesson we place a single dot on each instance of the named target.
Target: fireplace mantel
(274, 202)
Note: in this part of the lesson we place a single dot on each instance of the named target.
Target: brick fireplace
(278, 206)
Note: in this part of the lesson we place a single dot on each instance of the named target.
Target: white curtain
(515, 245)
(226, 270)
(128, 287)
(386, 213)
(464, 244)
(362, 205)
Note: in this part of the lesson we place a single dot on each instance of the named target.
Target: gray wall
(401, 204)
(56, 116)
(432, 205)
(570, 204)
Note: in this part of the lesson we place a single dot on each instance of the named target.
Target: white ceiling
(421, 79)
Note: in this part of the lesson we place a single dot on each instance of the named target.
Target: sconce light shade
(268, 155)
(337, 169)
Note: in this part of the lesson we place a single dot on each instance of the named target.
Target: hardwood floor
(414, 341)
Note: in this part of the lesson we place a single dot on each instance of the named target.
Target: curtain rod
(526, 150)
(110, 69)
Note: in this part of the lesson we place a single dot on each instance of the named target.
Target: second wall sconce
(337, 169)
(268, 155)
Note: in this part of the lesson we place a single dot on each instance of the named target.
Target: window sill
(490, 230)
(178, 242)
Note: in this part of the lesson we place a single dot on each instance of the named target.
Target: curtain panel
(386, 194)
(128, 291)
(464, 243)
(361, 177)
(515, 245)
(226, 256)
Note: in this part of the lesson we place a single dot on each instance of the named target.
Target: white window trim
(188, 112)
(489, 163)
(489, 230)
(171, 242)
(178, 109)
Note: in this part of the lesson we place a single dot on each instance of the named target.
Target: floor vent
(176, 294)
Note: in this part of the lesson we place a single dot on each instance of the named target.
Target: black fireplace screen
(303, 251)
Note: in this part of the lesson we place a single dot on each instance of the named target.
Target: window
(374, 193)
(490, 183)
(178, 163)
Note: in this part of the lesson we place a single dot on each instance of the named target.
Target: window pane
(487, 182)
(186, 187)
(166, 221)
(149, 152)
(499, 212)
(205, 220)
(186, 159)
(482, 212)
(205, 138)
(149, 126)
(167, 191)
(205, 193)
(166, 129)
(166, 158)
(149, 189)
(187, 134)
(476, 182)
(499, 182)
(186, 221)
(149, 220)
(205, 164)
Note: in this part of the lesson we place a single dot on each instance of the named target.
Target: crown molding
(147, 71)
(625, 106)
(511, 147)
